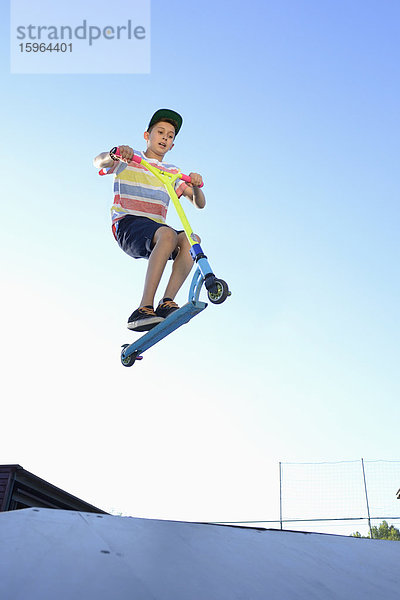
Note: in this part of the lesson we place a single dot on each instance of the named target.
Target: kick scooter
(217, 289)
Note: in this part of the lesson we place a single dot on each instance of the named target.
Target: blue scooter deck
(173, 321)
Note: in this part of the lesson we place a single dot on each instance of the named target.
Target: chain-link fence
(351, 495)
(336, 497)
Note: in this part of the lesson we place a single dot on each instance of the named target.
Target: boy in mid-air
(139, 212)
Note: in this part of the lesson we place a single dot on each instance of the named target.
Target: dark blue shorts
(135, 235)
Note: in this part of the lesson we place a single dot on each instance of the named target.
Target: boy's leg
(181, 268)
(165, 241)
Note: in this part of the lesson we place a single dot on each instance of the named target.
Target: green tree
(384, 531)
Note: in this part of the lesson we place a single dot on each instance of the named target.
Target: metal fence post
(280, 494)
(366, 498)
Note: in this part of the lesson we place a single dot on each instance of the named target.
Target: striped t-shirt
(138, 192)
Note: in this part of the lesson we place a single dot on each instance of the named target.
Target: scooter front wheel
(219, 293)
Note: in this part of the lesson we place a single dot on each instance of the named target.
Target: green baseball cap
(165, 114)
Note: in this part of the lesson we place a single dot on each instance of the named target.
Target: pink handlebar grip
(188, 179)
(115, 151)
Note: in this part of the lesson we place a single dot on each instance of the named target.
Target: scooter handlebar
(115, 152)
(137, 159)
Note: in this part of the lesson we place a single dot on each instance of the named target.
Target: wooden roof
(21, 489)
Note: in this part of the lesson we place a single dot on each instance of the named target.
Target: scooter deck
(173, 321)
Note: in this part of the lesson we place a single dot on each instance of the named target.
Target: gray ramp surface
(54, 554)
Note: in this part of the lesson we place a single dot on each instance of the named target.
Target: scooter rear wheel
(129, 361)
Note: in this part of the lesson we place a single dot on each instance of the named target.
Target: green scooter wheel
(219, 293)
(129, 360)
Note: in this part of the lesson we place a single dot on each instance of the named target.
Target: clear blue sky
(291, 115)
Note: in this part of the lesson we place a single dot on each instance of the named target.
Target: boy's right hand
(126, 153)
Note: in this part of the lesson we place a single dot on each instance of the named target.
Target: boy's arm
(193, 192)
(103, 161)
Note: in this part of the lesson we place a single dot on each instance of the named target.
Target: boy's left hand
(197, 179)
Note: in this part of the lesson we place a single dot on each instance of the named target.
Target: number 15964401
(35, 47)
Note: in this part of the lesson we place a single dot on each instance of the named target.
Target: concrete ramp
(50, 554)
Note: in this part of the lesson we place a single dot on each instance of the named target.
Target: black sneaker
(166, 307)
(143, 319)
